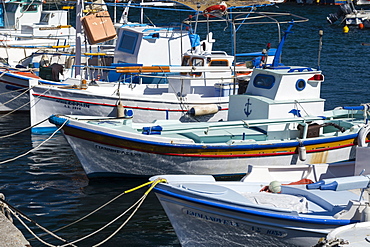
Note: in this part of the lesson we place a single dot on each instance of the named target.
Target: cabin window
(197, 62)
(45, 17)
(185, 61)
(300, 84)
(219, 63)
(264, 81)
(29, 8)
(11, 8)
(128, 42)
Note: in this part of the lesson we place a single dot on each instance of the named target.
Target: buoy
(345, 29)
(361, 26)
(275, 187)
(302, 152)
(120, 109)
(204, 110)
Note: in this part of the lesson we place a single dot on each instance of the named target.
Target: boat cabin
(150, 45)
(280, 92)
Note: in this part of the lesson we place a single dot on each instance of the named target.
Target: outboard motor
(344, 9)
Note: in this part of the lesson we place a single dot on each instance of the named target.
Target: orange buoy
(361, 25)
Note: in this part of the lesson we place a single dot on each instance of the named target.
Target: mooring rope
(137, 205)
(22, 130)
(42, 143)
(19, 95)
(15, 212)
(27, 103)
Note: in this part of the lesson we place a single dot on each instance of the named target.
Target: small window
(197, 62)
(128, 42)
(264, 81)
(219, 63)
(29, 8)
(185, 61)
(300, 84)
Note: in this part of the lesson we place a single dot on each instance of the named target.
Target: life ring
(218, 9)
(362, 134)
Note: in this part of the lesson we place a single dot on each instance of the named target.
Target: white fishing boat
(276, 205)
(26, 27)
(197, 90)
(280, 120)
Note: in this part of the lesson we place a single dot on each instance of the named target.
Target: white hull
(212, 226)
(102, 101)
(115, 161)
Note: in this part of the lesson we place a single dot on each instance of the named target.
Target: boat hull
(217, 224)
(122, 155)
(146, 108)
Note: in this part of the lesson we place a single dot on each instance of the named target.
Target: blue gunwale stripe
(256, 212)
(203, 146)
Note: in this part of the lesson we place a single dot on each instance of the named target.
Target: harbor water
(49, 185)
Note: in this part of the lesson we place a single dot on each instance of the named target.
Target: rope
(137, 205)
(28, 102)
(20, 131)
(104, 205)
(42, 143)
(155, 182)
(19, 95)
(14, 211)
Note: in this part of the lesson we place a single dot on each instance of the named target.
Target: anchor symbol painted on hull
(246, 108)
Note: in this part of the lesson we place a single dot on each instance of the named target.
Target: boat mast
(78, 38)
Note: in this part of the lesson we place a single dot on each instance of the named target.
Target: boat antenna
(321, 33)
(197, 17)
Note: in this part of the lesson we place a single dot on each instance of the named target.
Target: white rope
(20, 131)
(19, 156)
(28, 229)
(27, 103)
(19, 95)
(109, 223)
(124, 223)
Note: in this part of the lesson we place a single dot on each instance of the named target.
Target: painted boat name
(216, 219)
(117, 151)
(73, 105)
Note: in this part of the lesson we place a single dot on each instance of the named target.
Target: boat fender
(302, 153)
(120, 109)
(362, 134)
(365, 216)
(204, 110)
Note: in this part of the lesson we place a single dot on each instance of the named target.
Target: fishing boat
(26, 27)
(197, 90)
(279, 120)
(350, 16)
(85, 62)
(262, 209)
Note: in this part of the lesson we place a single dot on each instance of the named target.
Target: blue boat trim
(255, 212)
(43, 130)
(54, 120)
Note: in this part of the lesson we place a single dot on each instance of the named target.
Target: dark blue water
(49, 184)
